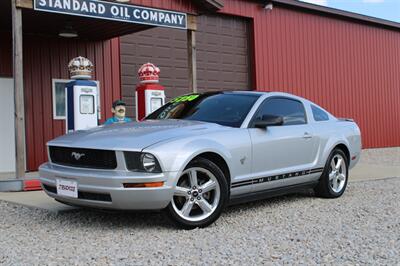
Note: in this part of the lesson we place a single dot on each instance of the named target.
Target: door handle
(307, 135)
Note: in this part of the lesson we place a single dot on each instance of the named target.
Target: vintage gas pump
(81, 96)
(149, 93)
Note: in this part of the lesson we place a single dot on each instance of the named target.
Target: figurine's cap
(117, 103)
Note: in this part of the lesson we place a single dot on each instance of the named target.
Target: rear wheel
(333, 181)
(200, 195)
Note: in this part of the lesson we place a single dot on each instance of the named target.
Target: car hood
(135, 135)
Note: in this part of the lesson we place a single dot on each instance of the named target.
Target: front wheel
(333, 181)
(200, 195)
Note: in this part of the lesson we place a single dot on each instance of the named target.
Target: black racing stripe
(241, 185)
(316, 170)
(240, 182)
(243, 182)
(274, 177)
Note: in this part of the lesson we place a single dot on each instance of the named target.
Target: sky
(385, 9)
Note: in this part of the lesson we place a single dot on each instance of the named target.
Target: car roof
(257, 93)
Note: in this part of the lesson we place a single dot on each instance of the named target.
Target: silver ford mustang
(200, 152)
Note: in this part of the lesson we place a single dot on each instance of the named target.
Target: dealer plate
(68, 188)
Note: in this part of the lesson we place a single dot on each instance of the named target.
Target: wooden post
(191, 47)
(24, 3)
(19, 115)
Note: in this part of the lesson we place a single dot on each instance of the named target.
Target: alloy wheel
(196, 195)
(337, 173)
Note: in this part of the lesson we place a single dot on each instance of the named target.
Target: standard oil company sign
(114, 11)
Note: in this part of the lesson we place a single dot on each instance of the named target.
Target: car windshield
(227, 109)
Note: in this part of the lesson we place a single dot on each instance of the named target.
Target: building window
(59, 104)
(59, 101)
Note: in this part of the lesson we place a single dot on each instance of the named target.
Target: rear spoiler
(346, 119)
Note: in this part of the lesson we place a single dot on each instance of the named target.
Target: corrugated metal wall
(350, 68)
(46, 59)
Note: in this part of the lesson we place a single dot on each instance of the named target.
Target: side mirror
(268, 120)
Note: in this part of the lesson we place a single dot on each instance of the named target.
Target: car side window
(319, 114)
(291, 110)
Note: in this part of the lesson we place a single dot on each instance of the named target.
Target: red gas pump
(149, 93)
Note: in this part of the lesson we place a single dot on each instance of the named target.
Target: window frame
(252, 121)
(53, 88)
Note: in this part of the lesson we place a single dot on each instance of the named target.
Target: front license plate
(68, 188)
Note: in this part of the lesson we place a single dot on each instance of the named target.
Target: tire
(200, 195)
(333, 181)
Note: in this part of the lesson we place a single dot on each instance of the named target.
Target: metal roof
(336, 12)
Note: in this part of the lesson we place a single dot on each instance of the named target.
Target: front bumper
(104, 188)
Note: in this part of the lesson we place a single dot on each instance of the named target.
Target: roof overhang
(52, 22)
(37, 23)
(211, 5)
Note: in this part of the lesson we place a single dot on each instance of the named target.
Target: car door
(282, 155)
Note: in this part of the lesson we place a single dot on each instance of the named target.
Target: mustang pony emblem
(77, 155)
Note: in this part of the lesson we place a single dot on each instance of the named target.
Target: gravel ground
(362, 227)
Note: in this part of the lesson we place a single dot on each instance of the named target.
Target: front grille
(85, 158)
(50, 188)
(94, 196)
(83, 194)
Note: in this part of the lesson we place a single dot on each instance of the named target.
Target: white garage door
(7, 131)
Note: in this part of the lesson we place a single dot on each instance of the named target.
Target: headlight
(141, 162)
(149, 162)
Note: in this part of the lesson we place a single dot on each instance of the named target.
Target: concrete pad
(368, 171)
(11, 185)
(11, 175)
(35, 199)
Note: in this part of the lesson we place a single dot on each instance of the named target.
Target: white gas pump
(81, 96)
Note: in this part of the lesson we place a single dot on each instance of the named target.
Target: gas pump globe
(149, 93)
(81, 96)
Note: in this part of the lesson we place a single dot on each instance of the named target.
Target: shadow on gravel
(269, 202)
(94, 218)
(86, 217)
